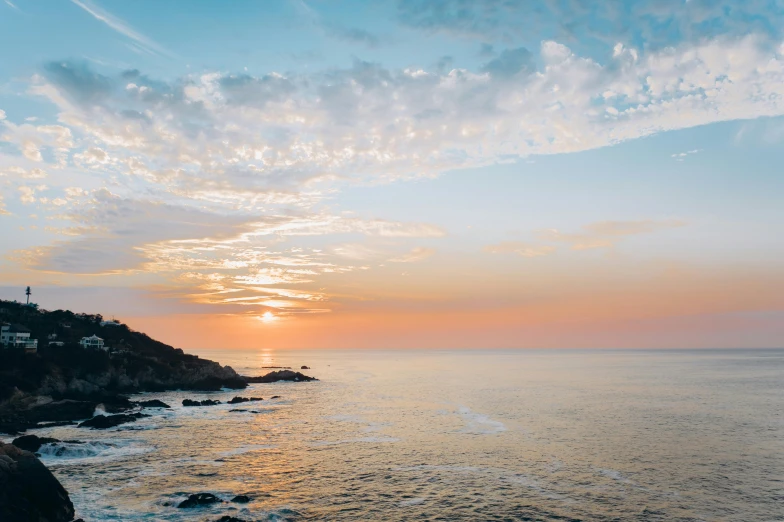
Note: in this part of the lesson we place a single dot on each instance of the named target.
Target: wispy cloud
(519, 248)
(415, 255)
(121, 27)
(680, 156)
(11, 4)
(604, 234)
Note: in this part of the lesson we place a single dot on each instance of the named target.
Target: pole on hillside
(28, 292)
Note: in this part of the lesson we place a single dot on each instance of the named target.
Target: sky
(398, 174)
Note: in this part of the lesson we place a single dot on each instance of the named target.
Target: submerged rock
(237, 400)
(282, 375)
(227, 518)
(275, 397)
(199, 499)
(154, 403)
(29, 491)
(304, 367)
(32, 442)
(102, 422)
(205, 402)
(241, 499)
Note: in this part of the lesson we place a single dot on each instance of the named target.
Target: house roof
(18, 328)
(92, 338)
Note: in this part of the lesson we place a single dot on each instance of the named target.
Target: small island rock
(199, 499)
(102, 422)
(205, 402)
(237, 400)
(282, 375)
(241, 499)
(154, 403)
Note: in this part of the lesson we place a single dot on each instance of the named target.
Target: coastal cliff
(65, 381)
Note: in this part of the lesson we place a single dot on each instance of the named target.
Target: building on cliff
(17, 336)
(93, 342)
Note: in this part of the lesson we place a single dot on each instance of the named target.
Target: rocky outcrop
(237, 400)
(103, 422)
(205, 402)
(199, 499)
(26, 412)
(241, 499)
(28, 491)
(304, 367)
(32, 442)
(155, 403)
(281, 375)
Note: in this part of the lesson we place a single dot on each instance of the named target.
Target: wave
(55, 452)
(479, 424)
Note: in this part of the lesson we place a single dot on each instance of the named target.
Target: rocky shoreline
(29, 491)
(69, 384)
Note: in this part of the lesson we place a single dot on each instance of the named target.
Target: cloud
(123, 28)
(681, 155)
(415, 255)
(520, 248)
(21, 173)
(355, 35)
(12, 6)
(657, 23)
(510, 63)
(604, 234)
(250, 141)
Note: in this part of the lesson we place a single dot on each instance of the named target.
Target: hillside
(134, 363)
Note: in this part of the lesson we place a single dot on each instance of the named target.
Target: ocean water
(454, 435)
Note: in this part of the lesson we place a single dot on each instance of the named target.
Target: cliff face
(135, 362)
(29, 491)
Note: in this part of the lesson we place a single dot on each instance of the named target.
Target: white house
(93, 342)
(110, 323)
(17, 336)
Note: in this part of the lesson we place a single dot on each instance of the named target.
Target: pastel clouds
(520, 248)
(605, 234)
(249, 141)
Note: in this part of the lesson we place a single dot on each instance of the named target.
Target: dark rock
(241, 499)
(282, 375)
(206, 402)
(155, 403)
(227, 518)
(102, 422)
(32, 442)
(304, 367)
(275, 397)
(199, 499)
(15, 426)
(29, 491)
(237, 400)
(65, 410)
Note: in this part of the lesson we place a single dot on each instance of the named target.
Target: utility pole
(28, 292)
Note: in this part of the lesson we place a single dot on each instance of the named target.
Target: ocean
(561, 435)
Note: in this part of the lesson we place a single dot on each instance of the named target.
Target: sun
(268, 317)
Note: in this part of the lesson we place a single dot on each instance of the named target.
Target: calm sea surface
(454, 435)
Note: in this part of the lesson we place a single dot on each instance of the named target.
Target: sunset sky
(398, 174)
